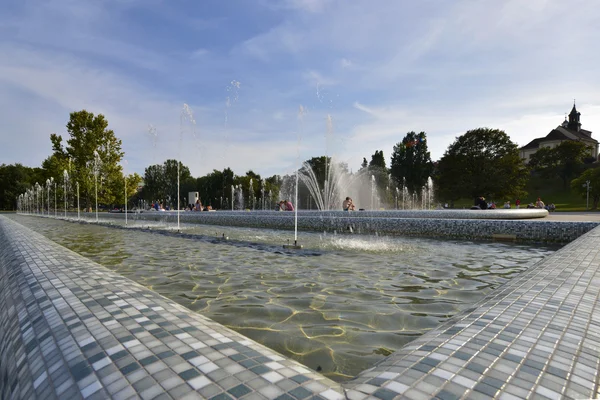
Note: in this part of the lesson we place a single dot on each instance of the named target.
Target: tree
(482, 162)
(579, 185)
(89, 135)
(364, 163)
(377, 160)
(378, 169)
(564, 161)
(411, 162)
(160, 183)
(14, 181)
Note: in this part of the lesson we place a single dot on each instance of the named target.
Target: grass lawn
(551, 191)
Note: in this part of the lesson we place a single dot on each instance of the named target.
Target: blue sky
(378, 68)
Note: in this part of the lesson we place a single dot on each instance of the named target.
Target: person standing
(518, 203)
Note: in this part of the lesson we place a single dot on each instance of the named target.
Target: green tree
(579, 185)
(378, 169)
(364, 163)
(160, 183)
(564, 161)
(482, 162)
(89, 136)
(377, 160)
(411, 162)
(15, 180)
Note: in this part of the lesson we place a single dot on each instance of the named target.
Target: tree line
(481, 162)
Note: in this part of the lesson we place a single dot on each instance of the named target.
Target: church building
(569, 130)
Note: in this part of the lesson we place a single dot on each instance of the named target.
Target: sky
(262, 84)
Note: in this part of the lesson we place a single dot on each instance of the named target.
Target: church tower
(574, 122)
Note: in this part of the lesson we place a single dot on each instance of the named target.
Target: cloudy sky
(374, 69)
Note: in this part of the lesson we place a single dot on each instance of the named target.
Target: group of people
(286, 205)
(158, 206)
(198, 207)
(481, 204)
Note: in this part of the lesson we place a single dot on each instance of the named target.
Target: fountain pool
(338, 306)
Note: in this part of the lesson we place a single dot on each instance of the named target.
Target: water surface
(338, 306)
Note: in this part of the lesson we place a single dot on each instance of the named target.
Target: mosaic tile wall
(537, 336)
(537, 230)
(73, 329)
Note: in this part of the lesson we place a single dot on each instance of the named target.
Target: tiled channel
(70, 328)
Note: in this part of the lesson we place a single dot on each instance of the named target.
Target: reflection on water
(339, 306)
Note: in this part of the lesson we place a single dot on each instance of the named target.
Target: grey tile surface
(73, 329)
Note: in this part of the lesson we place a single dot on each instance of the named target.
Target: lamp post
(588, 187)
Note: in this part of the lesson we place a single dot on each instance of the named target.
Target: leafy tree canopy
(411, 161)
(564, 161)
(92, 151)
(482, 162)
(579, 185)
(377, 160)
(160, 183)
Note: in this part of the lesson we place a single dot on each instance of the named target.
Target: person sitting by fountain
(198, 206)
(507, 204)
(280, 206)
(288, 205)
(480, 204)
(539, 203)
(348, 205)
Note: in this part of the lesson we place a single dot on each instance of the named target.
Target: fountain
(373, 191)
(65, 183)
(77, 184)
(48, 184)
(251, 193)
(96, 171)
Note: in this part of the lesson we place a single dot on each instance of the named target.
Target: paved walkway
(584, 216)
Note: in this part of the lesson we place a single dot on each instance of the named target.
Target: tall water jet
(186, 115)
(373, 191)
(262, 192)
(154, 136)
(77, 184)
(48, 185)
(125, 183)
(232, 196)
(251, 193)
(37, 193)
(96, 171)
(65, 184)
(430, 191)
(55, 203)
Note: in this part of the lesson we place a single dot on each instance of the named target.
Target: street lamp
(588, 187)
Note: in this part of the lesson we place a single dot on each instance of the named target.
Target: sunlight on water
(340, 305)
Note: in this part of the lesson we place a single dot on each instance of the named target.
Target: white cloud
(380, 71)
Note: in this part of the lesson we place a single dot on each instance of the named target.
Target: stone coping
(522, 213)
(522, 230)
(74, 329)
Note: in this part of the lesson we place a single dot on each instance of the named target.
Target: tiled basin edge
(536, 336)
(522, 230)
(71, 328)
